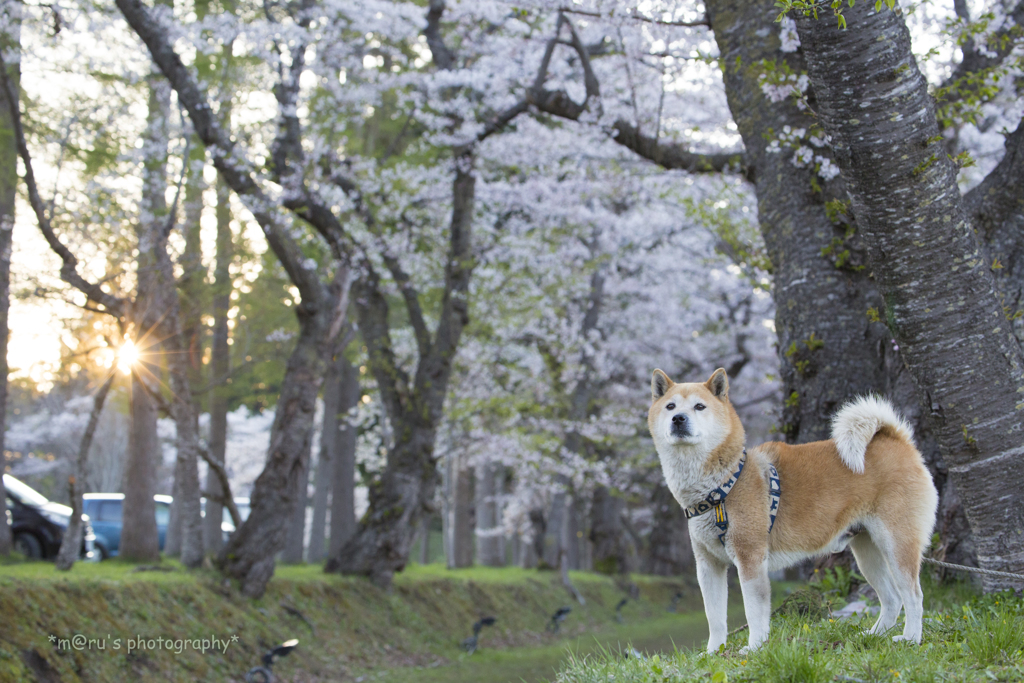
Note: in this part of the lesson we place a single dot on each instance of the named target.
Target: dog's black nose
(679, 419)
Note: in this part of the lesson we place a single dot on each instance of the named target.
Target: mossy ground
(966, 638)
(347, 627)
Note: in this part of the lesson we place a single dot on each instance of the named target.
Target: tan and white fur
(866, 487)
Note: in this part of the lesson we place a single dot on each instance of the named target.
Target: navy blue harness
(716, 499)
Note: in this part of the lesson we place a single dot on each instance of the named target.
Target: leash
(973, 570)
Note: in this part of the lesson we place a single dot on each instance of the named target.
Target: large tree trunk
(249, 554)
(343, 470)
(490, 543)
(71, 544)
(941, 303)
(10, 44)
(818, 295)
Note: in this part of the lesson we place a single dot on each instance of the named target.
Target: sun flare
(127, 356)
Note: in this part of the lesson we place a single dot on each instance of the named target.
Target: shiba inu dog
(866, 487)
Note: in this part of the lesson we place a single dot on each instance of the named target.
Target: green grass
(348, 628)
(967, 637)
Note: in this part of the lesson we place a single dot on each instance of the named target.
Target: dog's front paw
(908, 639)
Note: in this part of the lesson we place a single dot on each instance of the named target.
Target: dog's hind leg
(712, 575)
(875, 569)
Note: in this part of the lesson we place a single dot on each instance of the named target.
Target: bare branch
(226, 500)
(69, 263)
(636, 16)
(237, 171)
(372, 308)
(674, 156)
(412, 303)
(965, 78)
(443, 57)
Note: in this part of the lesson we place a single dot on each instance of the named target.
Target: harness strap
(774, 495)
(716, 499)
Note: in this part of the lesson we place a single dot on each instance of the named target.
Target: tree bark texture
(10, 44)
(812, 295)
(71, 544)
(941, 303)
(815, 293)
(343, 468)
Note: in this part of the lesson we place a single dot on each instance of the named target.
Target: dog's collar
(716, 499)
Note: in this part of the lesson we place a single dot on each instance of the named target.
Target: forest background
(412, 264)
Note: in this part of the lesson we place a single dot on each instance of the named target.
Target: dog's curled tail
(858, 421)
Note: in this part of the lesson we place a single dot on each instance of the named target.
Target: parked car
(105, 510)
(38, 524)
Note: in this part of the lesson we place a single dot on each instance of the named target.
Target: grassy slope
(966, 638)
(354, 629)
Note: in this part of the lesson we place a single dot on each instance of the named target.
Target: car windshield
(23, 492)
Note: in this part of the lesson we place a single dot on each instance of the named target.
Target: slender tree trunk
(71, 544)
(612, 548)
(295, 544)
(425, 540)
(139, 540)
(941, 303)
(670, 552)
(325, 461)
(220, 360)
(343, 470)
(10, 44)
(490, 546)
(462, 516)
(147, 312)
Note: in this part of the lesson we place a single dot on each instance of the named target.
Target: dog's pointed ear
(660, 383)
(719, 384)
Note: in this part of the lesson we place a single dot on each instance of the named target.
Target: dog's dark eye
(670, 406)
(699, 406)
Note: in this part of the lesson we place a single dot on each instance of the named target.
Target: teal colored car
(106, 509)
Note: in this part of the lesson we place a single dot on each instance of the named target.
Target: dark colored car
(38, 524)
(105, 511)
